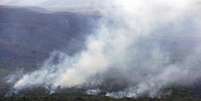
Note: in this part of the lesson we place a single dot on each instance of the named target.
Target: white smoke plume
(144, 45)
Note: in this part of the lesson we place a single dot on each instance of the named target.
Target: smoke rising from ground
(140, 46)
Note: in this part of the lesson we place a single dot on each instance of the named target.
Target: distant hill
(27, 36)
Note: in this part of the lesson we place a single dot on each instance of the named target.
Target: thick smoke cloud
(140, 47)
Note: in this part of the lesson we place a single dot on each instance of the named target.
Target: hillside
(28, 37)
(133, 55)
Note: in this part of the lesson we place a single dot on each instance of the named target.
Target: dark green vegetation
(72, 98)
(176, 94)
(95, 98)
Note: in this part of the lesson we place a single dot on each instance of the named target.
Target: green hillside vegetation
(177, 94)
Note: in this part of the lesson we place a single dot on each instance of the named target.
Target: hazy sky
(55, 5)
(60, 5)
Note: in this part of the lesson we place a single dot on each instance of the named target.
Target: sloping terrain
(28, 37)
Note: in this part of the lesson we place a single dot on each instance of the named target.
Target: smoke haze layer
(140, 47)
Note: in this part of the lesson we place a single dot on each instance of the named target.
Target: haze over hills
(28, 37)
(134, 48)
